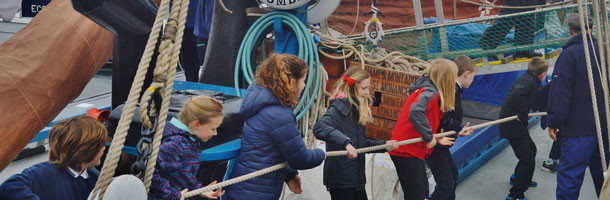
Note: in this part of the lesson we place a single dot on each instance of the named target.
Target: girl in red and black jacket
(431, 95)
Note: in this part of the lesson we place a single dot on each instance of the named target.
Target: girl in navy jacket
(270, 134)
(343, 128)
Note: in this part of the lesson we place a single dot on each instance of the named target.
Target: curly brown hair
(76, 141)
(277, 72)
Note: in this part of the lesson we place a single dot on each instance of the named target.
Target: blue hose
(307, 51)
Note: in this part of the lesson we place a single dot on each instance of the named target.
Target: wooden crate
(388, 81)
(389, 107)
(380, 129)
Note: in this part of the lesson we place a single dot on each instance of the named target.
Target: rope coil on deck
(377, 56)
(339, 153)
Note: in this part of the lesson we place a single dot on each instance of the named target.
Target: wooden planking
(389, 107)
(380, 129)
(391, 86)
(389, 81)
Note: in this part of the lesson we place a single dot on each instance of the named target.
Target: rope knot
(160, 79)
(170, 29)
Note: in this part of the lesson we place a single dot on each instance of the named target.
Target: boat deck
(488, 182)
(491, 180)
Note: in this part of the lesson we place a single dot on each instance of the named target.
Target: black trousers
(445, 173)
(556, 148)
(412, 176)
(525, 27)
(525, 150)
(348, 193)
(189, 59)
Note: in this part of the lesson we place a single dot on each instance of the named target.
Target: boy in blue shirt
(75, 144)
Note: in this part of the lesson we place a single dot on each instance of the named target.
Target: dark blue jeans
(576, 154)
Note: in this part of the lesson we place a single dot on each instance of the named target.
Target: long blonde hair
(443, 73)
(351, 93)
(201, 108)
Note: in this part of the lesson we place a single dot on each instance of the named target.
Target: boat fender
(321, 10)
(124, 187)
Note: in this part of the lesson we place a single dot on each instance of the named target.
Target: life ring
(285, 4)
(321, 10)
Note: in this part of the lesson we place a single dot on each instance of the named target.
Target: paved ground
(491, 180)
(8, 29)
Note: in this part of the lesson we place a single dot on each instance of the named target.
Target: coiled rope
(377, 56)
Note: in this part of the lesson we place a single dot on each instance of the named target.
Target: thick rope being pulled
(118, 140)
(581, 9)
(171, 73)
(338, 153)
(486, 4)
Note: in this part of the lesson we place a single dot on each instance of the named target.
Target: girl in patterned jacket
(178, 158)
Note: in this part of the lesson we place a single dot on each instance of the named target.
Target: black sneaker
(508, 197)
(532, 184)
(526, 54)
(550, 165)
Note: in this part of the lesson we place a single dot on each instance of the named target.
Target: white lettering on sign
(286, 4)
(37, 8)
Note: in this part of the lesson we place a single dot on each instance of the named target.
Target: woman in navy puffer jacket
(270, 135)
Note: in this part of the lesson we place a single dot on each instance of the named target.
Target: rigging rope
(581, 9)
(169, 52)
